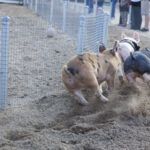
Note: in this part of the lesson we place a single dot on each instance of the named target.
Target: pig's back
(141, 64)
(146, 51)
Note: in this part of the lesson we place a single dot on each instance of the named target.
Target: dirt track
(51, 119)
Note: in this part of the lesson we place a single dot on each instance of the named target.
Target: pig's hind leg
(146, 77)
(79, 96)
(120, 74)
(93, 85)
(131, 77)
(102, 97)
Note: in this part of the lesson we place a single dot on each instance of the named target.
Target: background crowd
(138, 8)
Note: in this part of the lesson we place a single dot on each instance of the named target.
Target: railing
(68, 18)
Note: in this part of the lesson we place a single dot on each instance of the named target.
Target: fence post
(24, 2)
(27, 3)
(105, 27)
(96, 7)
(129, 20)
(84, 2)
(86, 10)
(42, 9)
(64, 17)
(99, 27)
(81, 35)
(30, 4)
(52, 10)
(4, 62)
(75, 5)
(110, 8)
(36, 6)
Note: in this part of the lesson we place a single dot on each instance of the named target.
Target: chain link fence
(30, 58)
(33, 62)
(91, 31)
(65, 16)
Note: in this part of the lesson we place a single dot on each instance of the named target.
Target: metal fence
(4, 61)
(92, 30)
(33, 62)
(65, 16)
(27, 42)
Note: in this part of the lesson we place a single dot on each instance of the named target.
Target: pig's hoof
(139, 92)
(105, 99)
(121, 80)
(83, 103)
(106, 93)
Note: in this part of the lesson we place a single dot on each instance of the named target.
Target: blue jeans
(113, 8)
(136, 18)
(90, 4)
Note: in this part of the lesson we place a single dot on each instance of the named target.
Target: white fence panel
(86, 29)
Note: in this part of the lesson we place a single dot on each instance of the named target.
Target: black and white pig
(138, 65)
(145, 51)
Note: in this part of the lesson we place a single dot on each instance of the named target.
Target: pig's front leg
(146, 77)
(131, 77)
(120, 74)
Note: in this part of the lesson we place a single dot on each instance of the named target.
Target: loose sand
(42, 115)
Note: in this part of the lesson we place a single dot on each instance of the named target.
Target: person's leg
(100, 3)
(147, 19)
(87, 2)
(90, 6)
(113, 8)
(120, 21)
(145, 13)
(138, 18)
(125, 18)
(133, 17)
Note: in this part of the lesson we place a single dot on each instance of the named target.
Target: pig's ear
(123, 35)
(101, 47)
(136, 36)
(132, 57)
(113, 51)
(115, 46)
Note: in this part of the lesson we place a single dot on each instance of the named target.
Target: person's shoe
(122, 25)
(144, 30)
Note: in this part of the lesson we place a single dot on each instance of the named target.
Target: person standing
(90, 4)
(99, 4)
(124, 9)
(145, 13)
(113, 8)
(136, 17)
